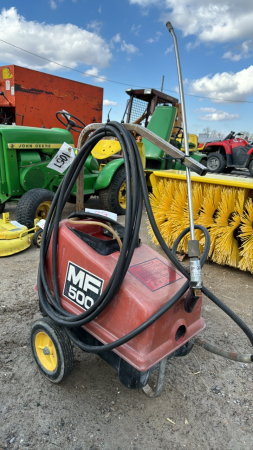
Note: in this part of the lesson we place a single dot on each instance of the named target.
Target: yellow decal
(6, 73)
(34, 145)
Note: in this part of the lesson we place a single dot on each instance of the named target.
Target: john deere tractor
(25, 177)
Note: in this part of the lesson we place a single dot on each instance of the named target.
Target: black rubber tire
(86, 197)
(228, 169)
(215, 163)
(2, 206)
(29, 203)
(72, 198)
(185, 349)
(203, 162)
(251, 168)
(37, 238)
(62, 345)
(108, 197)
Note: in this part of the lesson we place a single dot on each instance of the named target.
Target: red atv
(233, 152)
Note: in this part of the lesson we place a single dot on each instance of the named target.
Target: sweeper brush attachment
(223, 204)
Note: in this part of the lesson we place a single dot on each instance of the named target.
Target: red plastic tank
(150, 282)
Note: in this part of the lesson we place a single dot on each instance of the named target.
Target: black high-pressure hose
(135, 177)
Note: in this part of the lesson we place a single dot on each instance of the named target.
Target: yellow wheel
(52, 349)
(122, 195)
(43, 210)
(37, 238)
(46, 351)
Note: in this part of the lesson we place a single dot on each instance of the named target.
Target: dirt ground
(206, 401)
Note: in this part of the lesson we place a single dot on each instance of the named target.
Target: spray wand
(193, 244)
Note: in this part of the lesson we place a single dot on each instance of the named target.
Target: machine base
(128, 375)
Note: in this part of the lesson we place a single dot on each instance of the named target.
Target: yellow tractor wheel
(52, 349)
(122, 195)
(43, 210)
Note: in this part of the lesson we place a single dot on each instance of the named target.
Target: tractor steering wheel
(178, 132)
(70, 124)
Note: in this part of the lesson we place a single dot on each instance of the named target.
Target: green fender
(105, 176)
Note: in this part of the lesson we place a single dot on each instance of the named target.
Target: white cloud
(209, 20)
(116, 38)
(78, 45)
(191, 45)
(218, 115)
(53, 4)
(247, 46)
(109, 103)
(245, 52)
(210, 110)
(129, 48)
(94, 72)
(233, 57)
(225, 86)
(169, 49)
(156, 38)
(136, 29)
(95, 25)
(145, 3)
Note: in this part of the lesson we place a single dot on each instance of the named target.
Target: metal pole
(193, 245)
(186, 144)
(162, 83)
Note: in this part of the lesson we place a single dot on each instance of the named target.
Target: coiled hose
(136, 183)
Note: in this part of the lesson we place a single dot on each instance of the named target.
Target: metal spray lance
(193, 244)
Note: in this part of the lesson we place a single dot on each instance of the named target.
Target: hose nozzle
(169, 26)
(195, 267)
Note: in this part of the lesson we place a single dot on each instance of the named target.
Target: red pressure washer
(100, 288)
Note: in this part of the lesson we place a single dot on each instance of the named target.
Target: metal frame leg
(159, 383)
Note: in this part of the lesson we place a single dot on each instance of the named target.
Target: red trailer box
(31, 98)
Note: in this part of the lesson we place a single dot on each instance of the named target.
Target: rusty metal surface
(239, 357)
(35, 97)
(143, 95)
(79, 191)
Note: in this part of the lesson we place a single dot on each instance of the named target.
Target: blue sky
(126, 41)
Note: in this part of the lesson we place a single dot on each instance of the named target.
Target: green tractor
(25, 177)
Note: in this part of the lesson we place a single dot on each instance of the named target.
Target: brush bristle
(226, 250)
(220, 210)
(211, 201)
(160, 200)
(246, 237)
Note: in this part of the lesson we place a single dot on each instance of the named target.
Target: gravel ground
(206, 401)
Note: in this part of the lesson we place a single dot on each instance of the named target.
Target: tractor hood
(19, 137)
